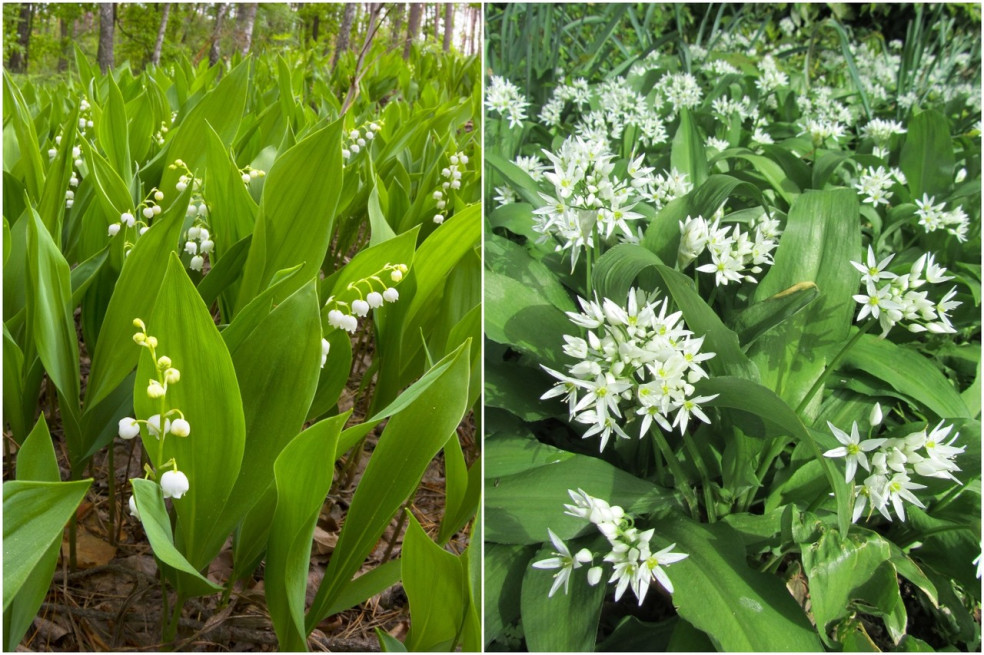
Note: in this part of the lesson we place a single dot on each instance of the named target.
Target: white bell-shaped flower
(148, 212)
(114, 229)
(360, 307)
(129, 428)
(155, 390)
(154, 425)
(180, 427)
(158, 196)
(246, 178)
(391, 295)
(325, 348)
(206, 246)
(191, 247)
(196, 263)
(127, 219)
(375, 299)
(133, 507)
(174, 484)
(350, 324)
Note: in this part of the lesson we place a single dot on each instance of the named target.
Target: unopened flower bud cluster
(355, 140)
(735, 256)
(637, 361)
(85, 121)
(186, 178)
(900, 298)
(367, 294)
(892, 463)
(634, 565)
(168, 421)
(452, 182)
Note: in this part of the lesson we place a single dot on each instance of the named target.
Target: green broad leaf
(334, 376)
(27, 138)
(565, 622)
(857, 568)
(633, 635)
(225, 273)
(111, 190)
(714, 589)
(367, 585)
(231, 210)
(412, 437)
(15, 280)
(303, 474)
(517, 389)
(209, 398)
(469, 327)
(909, 373)
(86, 273)
(389, 643)
(157, 526)
(507, 454)
(51, 207)
(507, 258)
(821, 237)
(518, 316)
(437, 590)
(50, 317)
(769, 171)
(36, 461)
(687, 154)
(760, 317)
(504, 565)
(517, 506)
(516, 217)
(34, 514)
(134, 296)
(112, 132)
(297, 211)
(277, 367)
(927, 155)
(14, 413)
(221, 110)
(379, 227)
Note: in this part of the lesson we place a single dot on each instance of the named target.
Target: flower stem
(834, 363)
(705, 478)
(679, 477)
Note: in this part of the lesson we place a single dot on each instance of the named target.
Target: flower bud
(143, 230)
(114, 229)
(375, 299)
(441, 204)
(148, 212)
(140, 338)
(73, 181)
(51, 153)
(58, 140)
(354, 147)
(133, 507)
(139, 324)
(438, 218)
(454, 159)
(194, 232)
(876, 416)
(155, 390)
(346, 153)
(164, 362)
(391, 295)
(158, 196)
(180, 427)
(594, 575)
(354, 134)
(360, 307)
(325, 348)
(78, 163)
(152, 341)
(362, 143)
(463, 158)
(438, 195)
(181, 186)
(396, 275)
(456, 184)
(174, 484)
(88, 123)
(129, 428)
(246, 178)
(197, 262)
(172, 376)
(156, 209)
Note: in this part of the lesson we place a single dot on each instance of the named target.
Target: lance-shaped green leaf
(34, 514)
(760, 317)
(436, 583)
(35, 461)
(157, 525)
(410, 440)
(27, 138)
(134, 295)
(277, 366)
(714, 589)
(112, 132)
(687, 154)
(51, 208)
(303, 473)
(927, 155)
(297, 212)
(504, 566)
(821, 237)
(209, 399)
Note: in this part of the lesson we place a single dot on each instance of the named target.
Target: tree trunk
(413, 27)
(344, 34)
(448, 25)
(63, 42)
(155, 56)
(475, 27)
(17, 62)
(315, 28)
(104, 55)
(248, 21)
(397, 13)
(220, 14)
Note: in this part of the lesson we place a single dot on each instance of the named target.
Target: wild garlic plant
(634, 565)
(168, 421)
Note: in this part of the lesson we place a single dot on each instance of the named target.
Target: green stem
(705, 478)
(679, 477)
(112, 496)
(835, 362)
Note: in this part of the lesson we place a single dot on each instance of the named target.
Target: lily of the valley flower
(174, 484)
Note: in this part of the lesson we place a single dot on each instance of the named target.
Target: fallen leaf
(90, 550)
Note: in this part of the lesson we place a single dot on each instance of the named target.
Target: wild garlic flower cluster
(576, 92)
(897, 299)
(360, 302)
(504, 195)
(770, 77)
(881, 132)
(198, 241)
(355, 140)
(680, 90)
(504, 97)
(633, 563)
(637, 361)
(174, 483)
(892, 463)
(589, 203)
(452, 181)
(934, 217)
(875, 184)
(735, 257)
